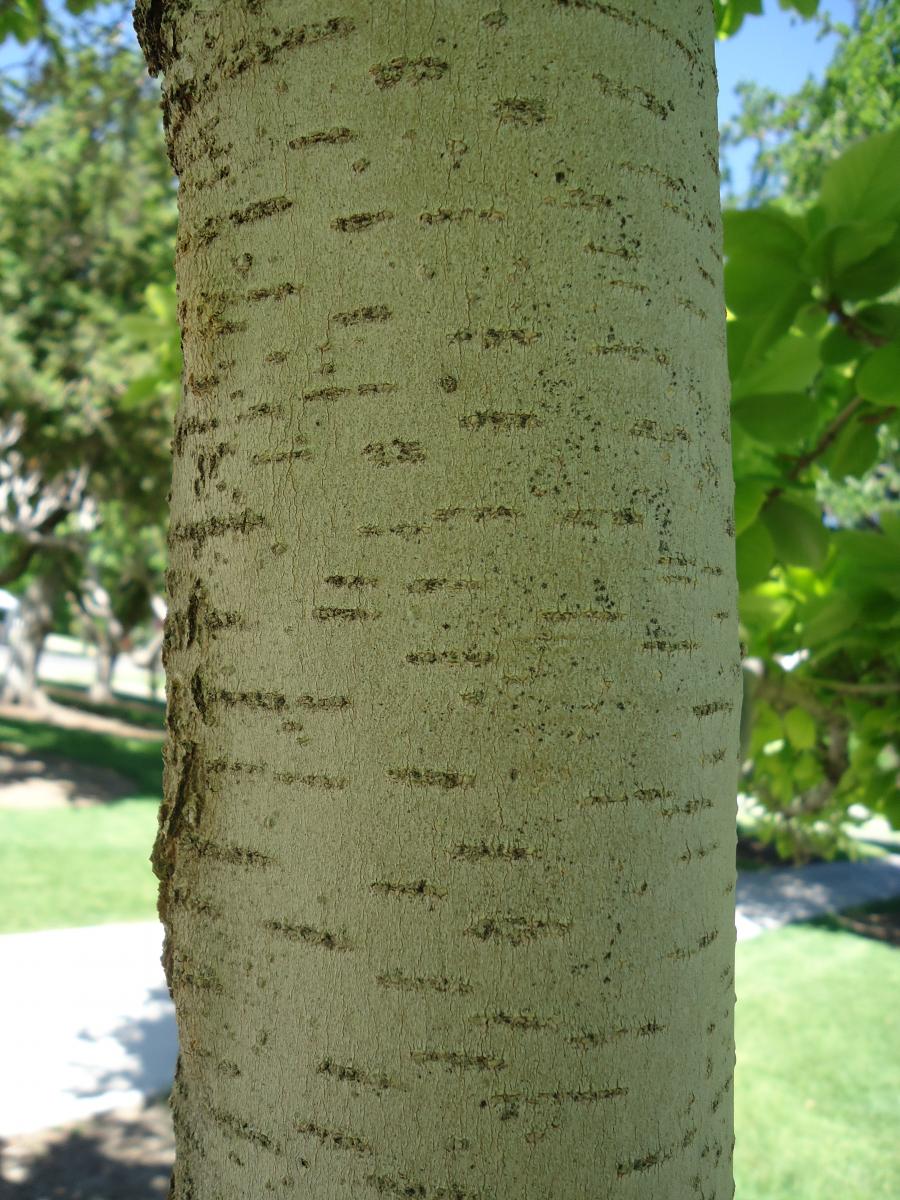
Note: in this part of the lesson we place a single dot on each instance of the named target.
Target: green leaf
(790, 366)
(755, 552)
(839, 347)
(800, 728)
(828, 617)
(845, 245)
(878, 378)
(854, 451)
(778, 419)
(764, 250)
(881, 319)
(81, 6)
(864, 183)
(874, 276)
(749, 497)
(798, 535)
(811, 319)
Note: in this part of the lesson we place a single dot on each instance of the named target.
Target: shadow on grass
(879, 920)
(137, 759)
(146, 714)
(110, 1157)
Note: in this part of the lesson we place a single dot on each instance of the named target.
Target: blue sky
(777, 50)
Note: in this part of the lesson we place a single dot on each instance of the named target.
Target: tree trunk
(101, 691)
(447, 851)
(27, 635)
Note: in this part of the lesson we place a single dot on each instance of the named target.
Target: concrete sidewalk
(769, 899)
(86, 1023)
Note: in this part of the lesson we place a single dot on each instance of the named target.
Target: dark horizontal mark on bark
(340, 1139)
(308, 934)
(518, 111)
(516, 930)
(394, 453)
(357, 222)
(687, 809)
(520, 337)
(638, 796)
(238, 856)
(405, 1188)
(189, 426)
(459, 1060)
(703, 942)
(369, 313)
(632, 19)
(586, 1039)
(655, 432)
(202, 385)
(297, 454)
(593, 518)
(510, 1101)
(425, 587)
(659, 646)
(453, 216)
(423, 983)
(275, 701)
(260, 209)
(323, 137)
(705, 275)
(697, 854)
(181, 898)
(655, 1158)
(412, 888)
(186, 973)
(243, 1129)
(500, 420)
(588, 614)
(633, 352)
(278, 292)
(327, 783)
(349, 1073)
(247, 54)
(344, 614)
(451, 658)
(362, 389)
(634, 95)
(482, 513)
(199, 532)
(408, 70)
(627, 251)
(426, 777)
(579, 198)
(351, 581)
(520, 1020)
(492, 852)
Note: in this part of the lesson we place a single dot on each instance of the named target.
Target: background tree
(796, 136)
(87, 217)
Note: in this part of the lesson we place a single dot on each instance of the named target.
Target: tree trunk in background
(101, 688)
(447, 851)
(27, 635)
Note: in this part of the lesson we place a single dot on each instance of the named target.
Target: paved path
(86, 1024)
(770, 899)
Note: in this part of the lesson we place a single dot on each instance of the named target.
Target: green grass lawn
(817, 1089)
(80, 866)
